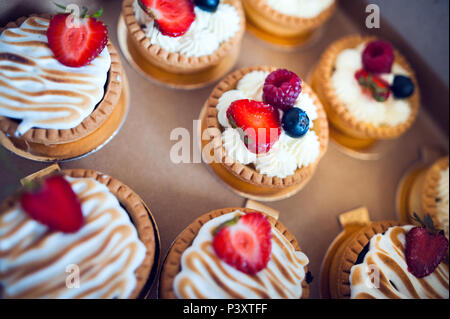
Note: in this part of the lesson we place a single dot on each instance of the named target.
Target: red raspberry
(282, 88)
(378, 57)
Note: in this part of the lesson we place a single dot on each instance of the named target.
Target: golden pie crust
(176, 62)
(347, 255)
(277, 23)
(429, 188)
(246, 172)
(338, 115)
(89, 124)
(172, 264)
(135, 209)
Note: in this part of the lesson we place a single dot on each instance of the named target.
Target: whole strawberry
(245, 242)
(76, 41)
(52, 202)
(426, 247)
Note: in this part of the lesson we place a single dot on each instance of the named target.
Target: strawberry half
(425, 248)
(76, 45)
(174, 17)
(259, 122)
(54, 204)
(245, 242)
(373, 85)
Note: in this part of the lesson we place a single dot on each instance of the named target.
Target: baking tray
(139, 155)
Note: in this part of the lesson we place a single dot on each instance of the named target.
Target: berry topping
(282, 88)
(174, 17)
(260, 124)
(245, 242)
(373, 85)
(295, 122)
(207, 5)
(426, 247)
(76, 41)
(403, 87)
(54, 204)
(378, 57)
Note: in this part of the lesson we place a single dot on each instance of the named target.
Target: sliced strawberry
(373, 85)
(426, 247)
(259, 122)
(54, 204)
(174, 17)
(76, 44)
(245, 243)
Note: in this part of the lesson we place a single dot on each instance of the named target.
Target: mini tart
(135, 209)
(113, 89)
(429, 188)
(279, 24)
(347, 255)
(248, 173)
(176, 62)
(172, 264)
(338, 115)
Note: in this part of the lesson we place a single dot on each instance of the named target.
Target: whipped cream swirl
(40, 91)
(300, 8)
(364, 108)
(107, 250)
(443, 204)
(205, 35)
(203, 275)
(386, 256)
(287, 154)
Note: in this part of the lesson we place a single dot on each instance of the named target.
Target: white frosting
(364, 108)
(205, 35)
(203, 274)
(287, 154)
(107, 250)
(443, 204)
(45, 93)
(386, 256)
(300, 8)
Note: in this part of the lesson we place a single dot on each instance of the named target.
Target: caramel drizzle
(290, 274)
(90, 266)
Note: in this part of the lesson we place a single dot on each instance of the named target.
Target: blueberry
(402, 87)
(295, 122)
(207, 5)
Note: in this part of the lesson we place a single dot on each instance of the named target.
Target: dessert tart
(75, 234)
(368, 89)
(185, 37)
(235, 253)
(287, 22)
(385, 260)
(266, 100)
(56, 102)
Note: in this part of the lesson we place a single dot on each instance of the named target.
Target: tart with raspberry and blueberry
(235, 253)
(75, 234)
(287, 19)
(266, 127)
(185, 36)
(369, 90)
(388, 260)
(61, 84)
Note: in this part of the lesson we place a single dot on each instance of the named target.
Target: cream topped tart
(59, 83)
(386, 253)
(74, 225)
(300, 8)
(271, 124)
(185, 36)
(236, 253)
(368, 88)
